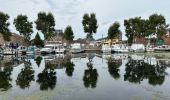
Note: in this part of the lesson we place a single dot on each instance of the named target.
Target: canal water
(86, 77)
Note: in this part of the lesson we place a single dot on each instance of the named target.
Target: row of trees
(138, 27)
(134, 27)
(45, 23)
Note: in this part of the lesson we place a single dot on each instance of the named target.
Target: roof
(80, 41)
(15, 38)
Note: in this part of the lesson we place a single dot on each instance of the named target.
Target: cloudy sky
(70, 12)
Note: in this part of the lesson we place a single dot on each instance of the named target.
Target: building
(15, 38)
(153, 40)
(57, 38)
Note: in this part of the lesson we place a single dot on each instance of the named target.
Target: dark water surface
(86, 77)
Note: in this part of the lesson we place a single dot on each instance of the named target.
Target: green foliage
(68, 34)
(137, 71)
(113, 68)
(23, 26)
(90, 24)
(4, 24)
(38, 60)
(47, 78)
(25, 77)
(137, 27)
(90, 76)
(114, 31)
(158, 24)
(38, 41)
(69, 68)
(45, 23)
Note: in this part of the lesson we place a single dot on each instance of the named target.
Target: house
(15, 38)
(166, 38)
(57, 38)
(82, 42)
(153, 40)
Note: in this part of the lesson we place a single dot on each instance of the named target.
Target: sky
(70, 12)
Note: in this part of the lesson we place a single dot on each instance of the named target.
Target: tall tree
(90, 25)
(68, 34)
(23, 26)
(4, 24)
(45, 23)
(158, 24)
(38, 41)
(135, 27)
(113, 31)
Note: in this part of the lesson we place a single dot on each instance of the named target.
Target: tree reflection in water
(138, 70)
(90, 75)
(47, 79)
(5, 72)
(38, 60)
(113, 68)
(69, 68)
(25, 76)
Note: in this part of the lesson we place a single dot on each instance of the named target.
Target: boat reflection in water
(55, 76)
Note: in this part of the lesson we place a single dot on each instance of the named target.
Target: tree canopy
(68, 33)
(45, 23)
(137, 27)
(4, 26)
(23, 26)
(158, 24)
(38, 41)
(90, 24)
(113, 30)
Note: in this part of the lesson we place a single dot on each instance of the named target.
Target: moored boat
(32, 50)
(22, 50)
(76, 48)
(162, 48)
(106, 48)
(150, 48)
(137, 48)
(59, 49)
(46, 50)
(120, 48)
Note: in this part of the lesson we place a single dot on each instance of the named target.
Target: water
(86, 77)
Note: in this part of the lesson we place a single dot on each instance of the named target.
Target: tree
(90, 25)
(25, 77)
(158, 24)
(23, 26)
(114, 31)
(68, 34)
(45, 23)
(4, 24)
(136, 27)
(38, 41)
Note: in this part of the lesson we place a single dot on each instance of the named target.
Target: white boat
(22, 49)
(137, 48)
(162, 48)
(150, 48)
(121, 48)
(76, 48)
(106, 48)
(32, 50)
(46, 50)
(59, 49)
(8, 51)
